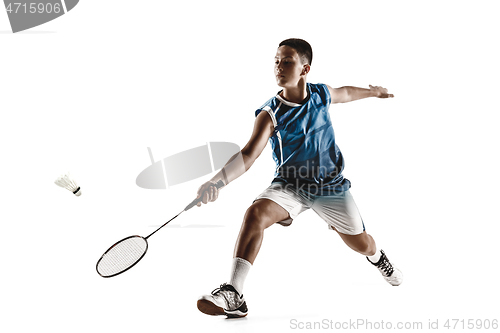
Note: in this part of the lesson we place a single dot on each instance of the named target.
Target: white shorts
(339, 210)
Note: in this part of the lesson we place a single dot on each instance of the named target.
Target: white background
(90, 91)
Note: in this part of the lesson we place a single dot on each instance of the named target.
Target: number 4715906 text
(33, 8)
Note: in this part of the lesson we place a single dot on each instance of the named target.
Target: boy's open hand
(380, 92)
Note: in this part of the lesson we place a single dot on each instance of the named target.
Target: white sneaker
(223, 301)
(390, 273)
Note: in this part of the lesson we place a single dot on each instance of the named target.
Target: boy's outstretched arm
(239, 163)
(349, 94)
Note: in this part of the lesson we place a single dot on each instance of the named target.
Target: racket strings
(122, 256)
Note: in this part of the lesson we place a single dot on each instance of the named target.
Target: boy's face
(288, 67)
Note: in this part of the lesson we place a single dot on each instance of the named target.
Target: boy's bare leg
(260, 215)
(362, 243)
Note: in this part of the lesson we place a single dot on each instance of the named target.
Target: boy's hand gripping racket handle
(219, 184)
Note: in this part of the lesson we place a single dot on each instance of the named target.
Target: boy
(308, 174)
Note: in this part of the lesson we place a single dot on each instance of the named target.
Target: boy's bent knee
(264, 213)
(256, 217)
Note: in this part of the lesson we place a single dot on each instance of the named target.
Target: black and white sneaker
(390, 273)
(224, 300)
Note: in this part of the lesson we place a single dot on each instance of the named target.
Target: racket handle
(219, 184)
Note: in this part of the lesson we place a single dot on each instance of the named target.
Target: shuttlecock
(68, 183)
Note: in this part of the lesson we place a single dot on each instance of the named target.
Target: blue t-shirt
(303, 143)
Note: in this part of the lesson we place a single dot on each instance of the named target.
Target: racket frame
(193, 203)
(126, 269)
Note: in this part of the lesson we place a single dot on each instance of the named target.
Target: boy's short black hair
(302, 47)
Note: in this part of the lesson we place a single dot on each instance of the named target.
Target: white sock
(239, 273)
(376, 257)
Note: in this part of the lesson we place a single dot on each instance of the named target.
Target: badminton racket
(127, 252)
